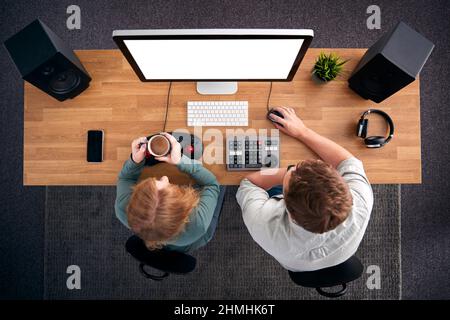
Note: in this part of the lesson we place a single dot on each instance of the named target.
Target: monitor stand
(217, 87)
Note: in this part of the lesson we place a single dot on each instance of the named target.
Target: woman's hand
(138, 147)
(291, 124)
(175, 153)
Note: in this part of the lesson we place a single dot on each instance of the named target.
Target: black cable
(268, 96)
(167, 106)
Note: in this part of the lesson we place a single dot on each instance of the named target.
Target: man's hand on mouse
(291, 124)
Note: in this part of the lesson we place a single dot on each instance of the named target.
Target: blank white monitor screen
(221, 59)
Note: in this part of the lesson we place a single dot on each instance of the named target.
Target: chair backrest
(340, 274)
(161, 259)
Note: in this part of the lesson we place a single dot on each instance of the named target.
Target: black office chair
(166, 261)
(339, 275)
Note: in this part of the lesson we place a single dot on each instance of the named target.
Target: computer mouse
(277, 113)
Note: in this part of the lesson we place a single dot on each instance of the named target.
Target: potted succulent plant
(327, 67)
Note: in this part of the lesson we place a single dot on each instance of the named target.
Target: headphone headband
(387, 118)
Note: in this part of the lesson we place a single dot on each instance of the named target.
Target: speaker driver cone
(373, 84)
(64, 82)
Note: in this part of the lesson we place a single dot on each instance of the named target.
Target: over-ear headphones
(374, 141)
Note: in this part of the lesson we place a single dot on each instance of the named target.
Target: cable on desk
(268, 96)
(167, 106)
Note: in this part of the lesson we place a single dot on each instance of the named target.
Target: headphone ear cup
(361, 130)
(374, 141)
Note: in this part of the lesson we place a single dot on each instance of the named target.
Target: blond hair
(157, 216)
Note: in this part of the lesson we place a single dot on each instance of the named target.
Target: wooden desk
(125, 108)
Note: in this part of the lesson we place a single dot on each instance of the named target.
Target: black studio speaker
(391, 63)
(45, 61)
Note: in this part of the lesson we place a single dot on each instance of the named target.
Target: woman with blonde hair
(166, 215)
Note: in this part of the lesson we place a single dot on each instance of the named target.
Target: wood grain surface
(125, 108)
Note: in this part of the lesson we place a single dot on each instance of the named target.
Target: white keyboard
(217, 113)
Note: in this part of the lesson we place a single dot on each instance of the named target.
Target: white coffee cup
(158, 145)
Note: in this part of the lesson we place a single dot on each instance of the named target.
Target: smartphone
(95, 146)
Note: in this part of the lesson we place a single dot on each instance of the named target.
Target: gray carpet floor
(425, 227)
(81, 229)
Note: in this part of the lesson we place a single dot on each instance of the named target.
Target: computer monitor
(216, 58)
